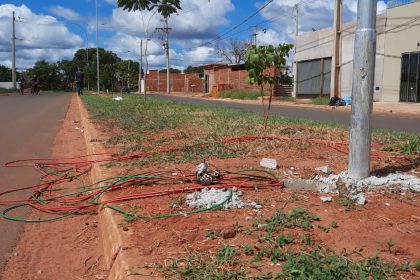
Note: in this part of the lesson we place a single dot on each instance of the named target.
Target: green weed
(239, 94)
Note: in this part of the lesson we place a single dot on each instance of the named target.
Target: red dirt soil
(64, 249)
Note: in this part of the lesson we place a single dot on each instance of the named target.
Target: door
(410, 70)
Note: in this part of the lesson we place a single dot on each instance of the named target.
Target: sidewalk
(380, 108)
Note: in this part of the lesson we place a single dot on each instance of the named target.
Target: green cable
(5, 211)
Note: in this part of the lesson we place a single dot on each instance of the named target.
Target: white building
(397, 57)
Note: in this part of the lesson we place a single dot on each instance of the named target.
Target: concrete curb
(120, 261)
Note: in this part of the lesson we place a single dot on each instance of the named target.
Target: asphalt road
(396, 123)
(28, 126)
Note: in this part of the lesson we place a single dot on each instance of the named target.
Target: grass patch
(312, 262)
(324, 100)
(188, 126)
(239, 94)
(6, 90)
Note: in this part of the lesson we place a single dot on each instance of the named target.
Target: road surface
(28, 126)
(396, 123)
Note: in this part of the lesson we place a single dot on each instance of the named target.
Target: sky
(54, 29)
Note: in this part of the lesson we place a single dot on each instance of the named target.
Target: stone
(326, 199)
(231, 233)
(269, 163)
(324, 169)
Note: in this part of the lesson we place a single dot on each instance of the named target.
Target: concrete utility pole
(295, 76)
(336, 59)
(97, 48)
(362, 90)
(166, 45)
(254, 35)
(140, 65)
(14, 50)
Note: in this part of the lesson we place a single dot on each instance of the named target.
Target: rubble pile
(209, 197)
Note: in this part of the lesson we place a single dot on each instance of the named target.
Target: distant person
(35, 85)
(79, 81)
(21, 81)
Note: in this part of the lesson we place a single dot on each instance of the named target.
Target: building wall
(179, 82)
(320, 44)
(402, 35)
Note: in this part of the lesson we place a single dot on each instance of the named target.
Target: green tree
(263, 62)
(48, 74)
(192, 69)
(164, 7)
(5, 74)
(171, 70)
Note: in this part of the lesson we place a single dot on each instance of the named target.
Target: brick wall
(156, 82)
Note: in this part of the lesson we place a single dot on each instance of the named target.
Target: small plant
(307, 240)
(417, 266)
(406, 266)
(347, 202)
(334, 224)
(248, 250)
(226, 254)
(211, 234)
(283, 240)
(390, 244)
(412, 146)
(325, 229)
(239, 94)
(264, 276)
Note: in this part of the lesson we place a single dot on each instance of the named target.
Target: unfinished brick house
(156, 82)
(220, 77)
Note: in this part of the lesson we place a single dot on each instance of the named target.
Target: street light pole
(362, 90)
(97, 48)
(14, 51)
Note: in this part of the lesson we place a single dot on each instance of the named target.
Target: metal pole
(97, 48)
(168, 75)
(336, 59)
(295, 72)
(14, 51)
(140, 64)
(362, 90)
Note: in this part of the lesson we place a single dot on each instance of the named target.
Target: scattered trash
(205, 176)
(326, 199)
(337, 101)
(387, 204)
(348, 100)
(269, 163)
(117, 98)
(207, 198)
(324, 169)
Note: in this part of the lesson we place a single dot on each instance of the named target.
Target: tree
(5, 74)
(172, 70)
(233, 51)
(163, 7)
(192, 69)
(263, 62)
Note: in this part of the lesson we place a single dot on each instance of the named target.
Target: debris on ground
(207, 198)
(255, 205)
(117, 98)
(269, 163)
(356, 189)
(326, 199)
(324, 169)
(206, 176)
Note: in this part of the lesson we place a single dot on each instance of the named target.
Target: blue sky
(53, 30)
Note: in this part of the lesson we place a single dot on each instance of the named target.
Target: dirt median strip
(119, 259)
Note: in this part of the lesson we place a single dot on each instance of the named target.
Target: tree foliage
(192, 69)
(164, 7)
(263, 64)
(171, 70)
(5, 74)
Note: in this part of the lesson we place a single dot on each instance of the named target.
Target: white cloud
(65, 13)
(316, 14)
(38, 37)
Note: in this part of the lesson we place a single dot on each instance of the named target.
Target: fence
(397, 3)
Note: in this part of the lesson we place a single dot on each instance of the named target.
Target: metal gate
(410, 71)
